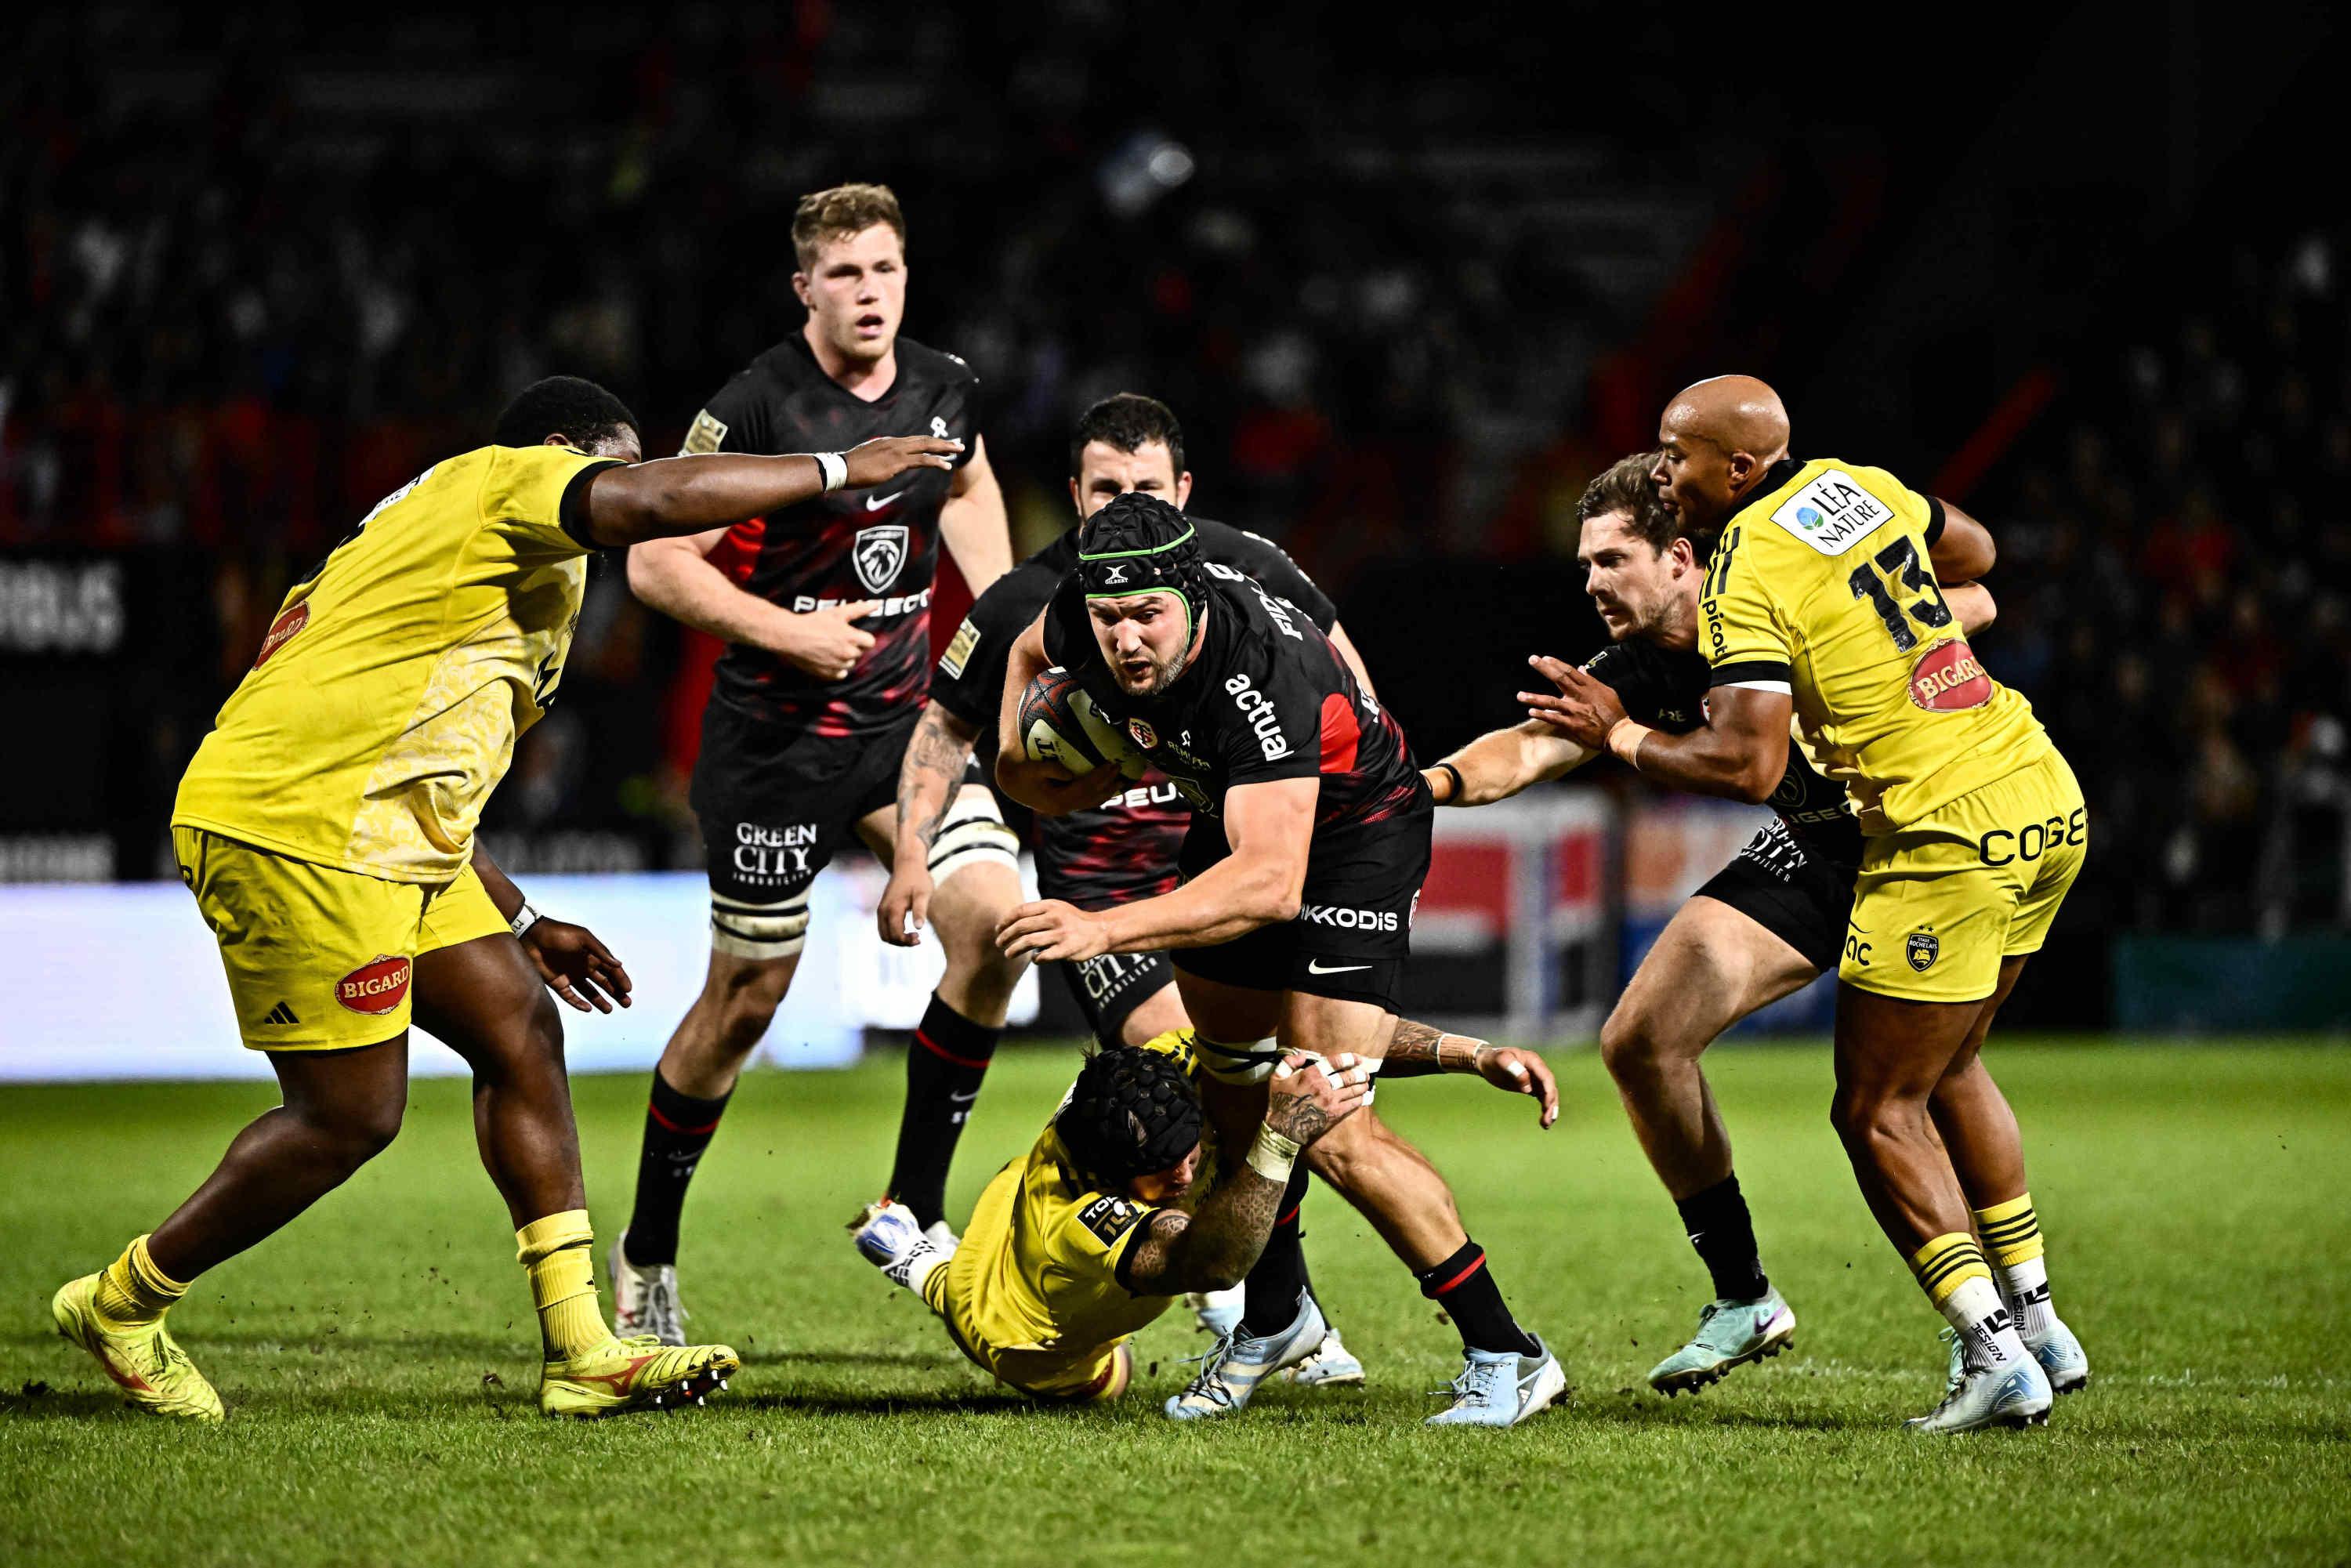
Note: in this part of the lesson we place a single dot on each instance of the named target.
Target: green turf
(378, 1358)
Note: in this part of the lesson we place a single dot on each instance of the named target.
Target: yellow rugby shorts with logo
(321, 959)
(1978, 879)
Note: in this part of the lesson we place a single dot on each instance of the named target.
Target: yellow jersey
(1032, 1294)
(1821, 588)
(383, 706)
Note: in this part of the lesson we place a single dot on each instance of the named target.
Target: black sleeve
(970, 680)
(572, 510)
(1268, 718)
(962, 395)
(738, 418)
(1066, 640)
(1934, 520)
(1270, 565)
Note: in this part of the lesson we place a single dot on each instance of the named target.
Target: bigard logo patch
(878, 553)
(1948, 678)
(281, 631)
(375, 986)
(1922, 950)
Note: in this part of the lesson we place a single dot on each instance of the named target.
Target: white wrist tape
(1272, 1156)
(525, 918)
(833, 466)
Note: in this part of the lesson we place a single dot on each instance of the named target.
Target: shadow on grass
(941, 1402)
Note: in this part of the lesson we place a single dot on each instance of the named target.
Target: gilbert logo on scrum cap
(375, 986)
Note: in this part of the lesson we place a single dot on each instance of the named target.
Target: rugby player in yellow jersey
(326, 828)
(1087, 1237)
(1820, 600)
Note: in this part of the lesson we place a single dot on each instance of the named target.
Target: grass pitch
(379, 1358)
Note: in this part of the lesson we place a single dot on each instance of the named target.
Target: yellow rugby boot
(152, 1371)
(635, 1373)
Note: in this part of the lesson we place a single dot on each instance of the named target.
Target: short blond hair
(840, 212)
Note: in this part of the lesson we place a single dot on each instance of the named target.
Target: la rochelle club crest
(1922, 950)
(878, 555)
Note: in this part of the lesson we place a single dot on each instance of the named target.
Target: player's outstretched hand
(1519, 1070)
(827, 644)
(1585, 709)
(1049, 929)
(575, 966)
(906, 905)
(882, 459)
(1306, 1099)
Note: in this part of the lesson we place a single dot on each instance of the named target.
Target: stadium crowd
(251, 301)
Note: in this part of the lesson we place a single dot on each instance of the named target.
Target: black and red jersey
(1124, 849)
(1267, 698)
(879, 543)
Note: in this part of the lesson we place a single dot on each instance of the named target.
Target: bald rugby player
(1819, 605)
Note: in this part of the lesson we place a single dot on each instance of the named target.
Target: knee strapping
(973, 831)
(758, 930)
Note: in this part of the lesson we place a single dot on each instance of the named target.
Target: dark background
(1409, 279)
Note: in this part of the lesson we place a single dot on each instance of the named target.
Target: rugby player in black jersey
(1308, 843)
(826, 611)
(1770, 923)
(1126, 848)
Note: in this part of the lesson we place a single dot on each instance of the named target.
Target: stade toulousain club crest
(878, 554)
(1145, 735)
(1922, 950)
(375, 986)
(1948, 678)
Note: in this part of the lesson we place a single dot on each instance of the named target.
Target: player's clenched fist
(828, 642)
(882, 459)
(1049, 929)
(1306, 1099)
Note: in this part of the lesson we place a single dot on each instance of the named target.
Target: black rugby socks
(1724, 1234)
(1279, 1278)
(678, 1127)
(1463, 1287)
(945, 1064)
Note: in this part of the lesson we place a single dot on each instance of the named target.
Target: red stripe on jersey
(1339, 733)
(737, 553)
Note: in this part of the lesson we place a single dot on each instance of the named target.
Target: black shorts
(1353, 930)
(1795, 895)
(1111, 986)
(777, 802)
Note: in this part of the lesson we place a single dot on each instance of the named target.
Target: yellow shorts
(1100, 1373)
(1940, 903)
(321, 959)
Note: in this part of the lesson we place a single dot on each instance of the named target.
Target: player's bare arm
(1501, 762)
(1972, 604)
(1269, 825)
(928, 779)
(1346, 650)
(674, 576)
(1739, 753)
(1963, 552)
(1213, 1247)
(673, 496)
(973, 525)
(575, 966)
(1041, 786)
(1419, 1050)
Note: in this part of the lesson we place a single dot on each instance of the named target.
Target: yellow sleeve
(535, 495)
(1742, 634)
(1095, 1235)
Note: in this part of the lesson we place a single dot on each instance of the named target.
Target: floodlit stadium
(1025, 784)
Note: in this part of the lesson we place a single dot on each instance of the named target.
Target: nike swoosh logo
(1316, 966)
(963, 1099)
(875, 502)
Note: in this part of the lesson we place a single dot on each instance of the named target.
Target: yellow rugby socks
(132, 1292)
(2011, 1236)
(555, 1252)
(1952, 1272)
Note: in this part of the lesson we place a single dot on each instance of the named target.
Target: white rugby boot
(644, 1301)
(1216, 1311)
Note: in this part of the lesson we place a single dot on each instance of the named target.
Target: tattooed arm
(1214, 1247)
(928, 781)
(1419, 1050)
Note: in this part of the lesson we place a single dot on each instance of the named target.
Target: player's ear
(1074, 499)
(1183, 489)
(557, 439)
(801, 287)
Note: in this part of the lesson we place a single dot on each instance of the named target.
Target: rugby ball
(1061, 724)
